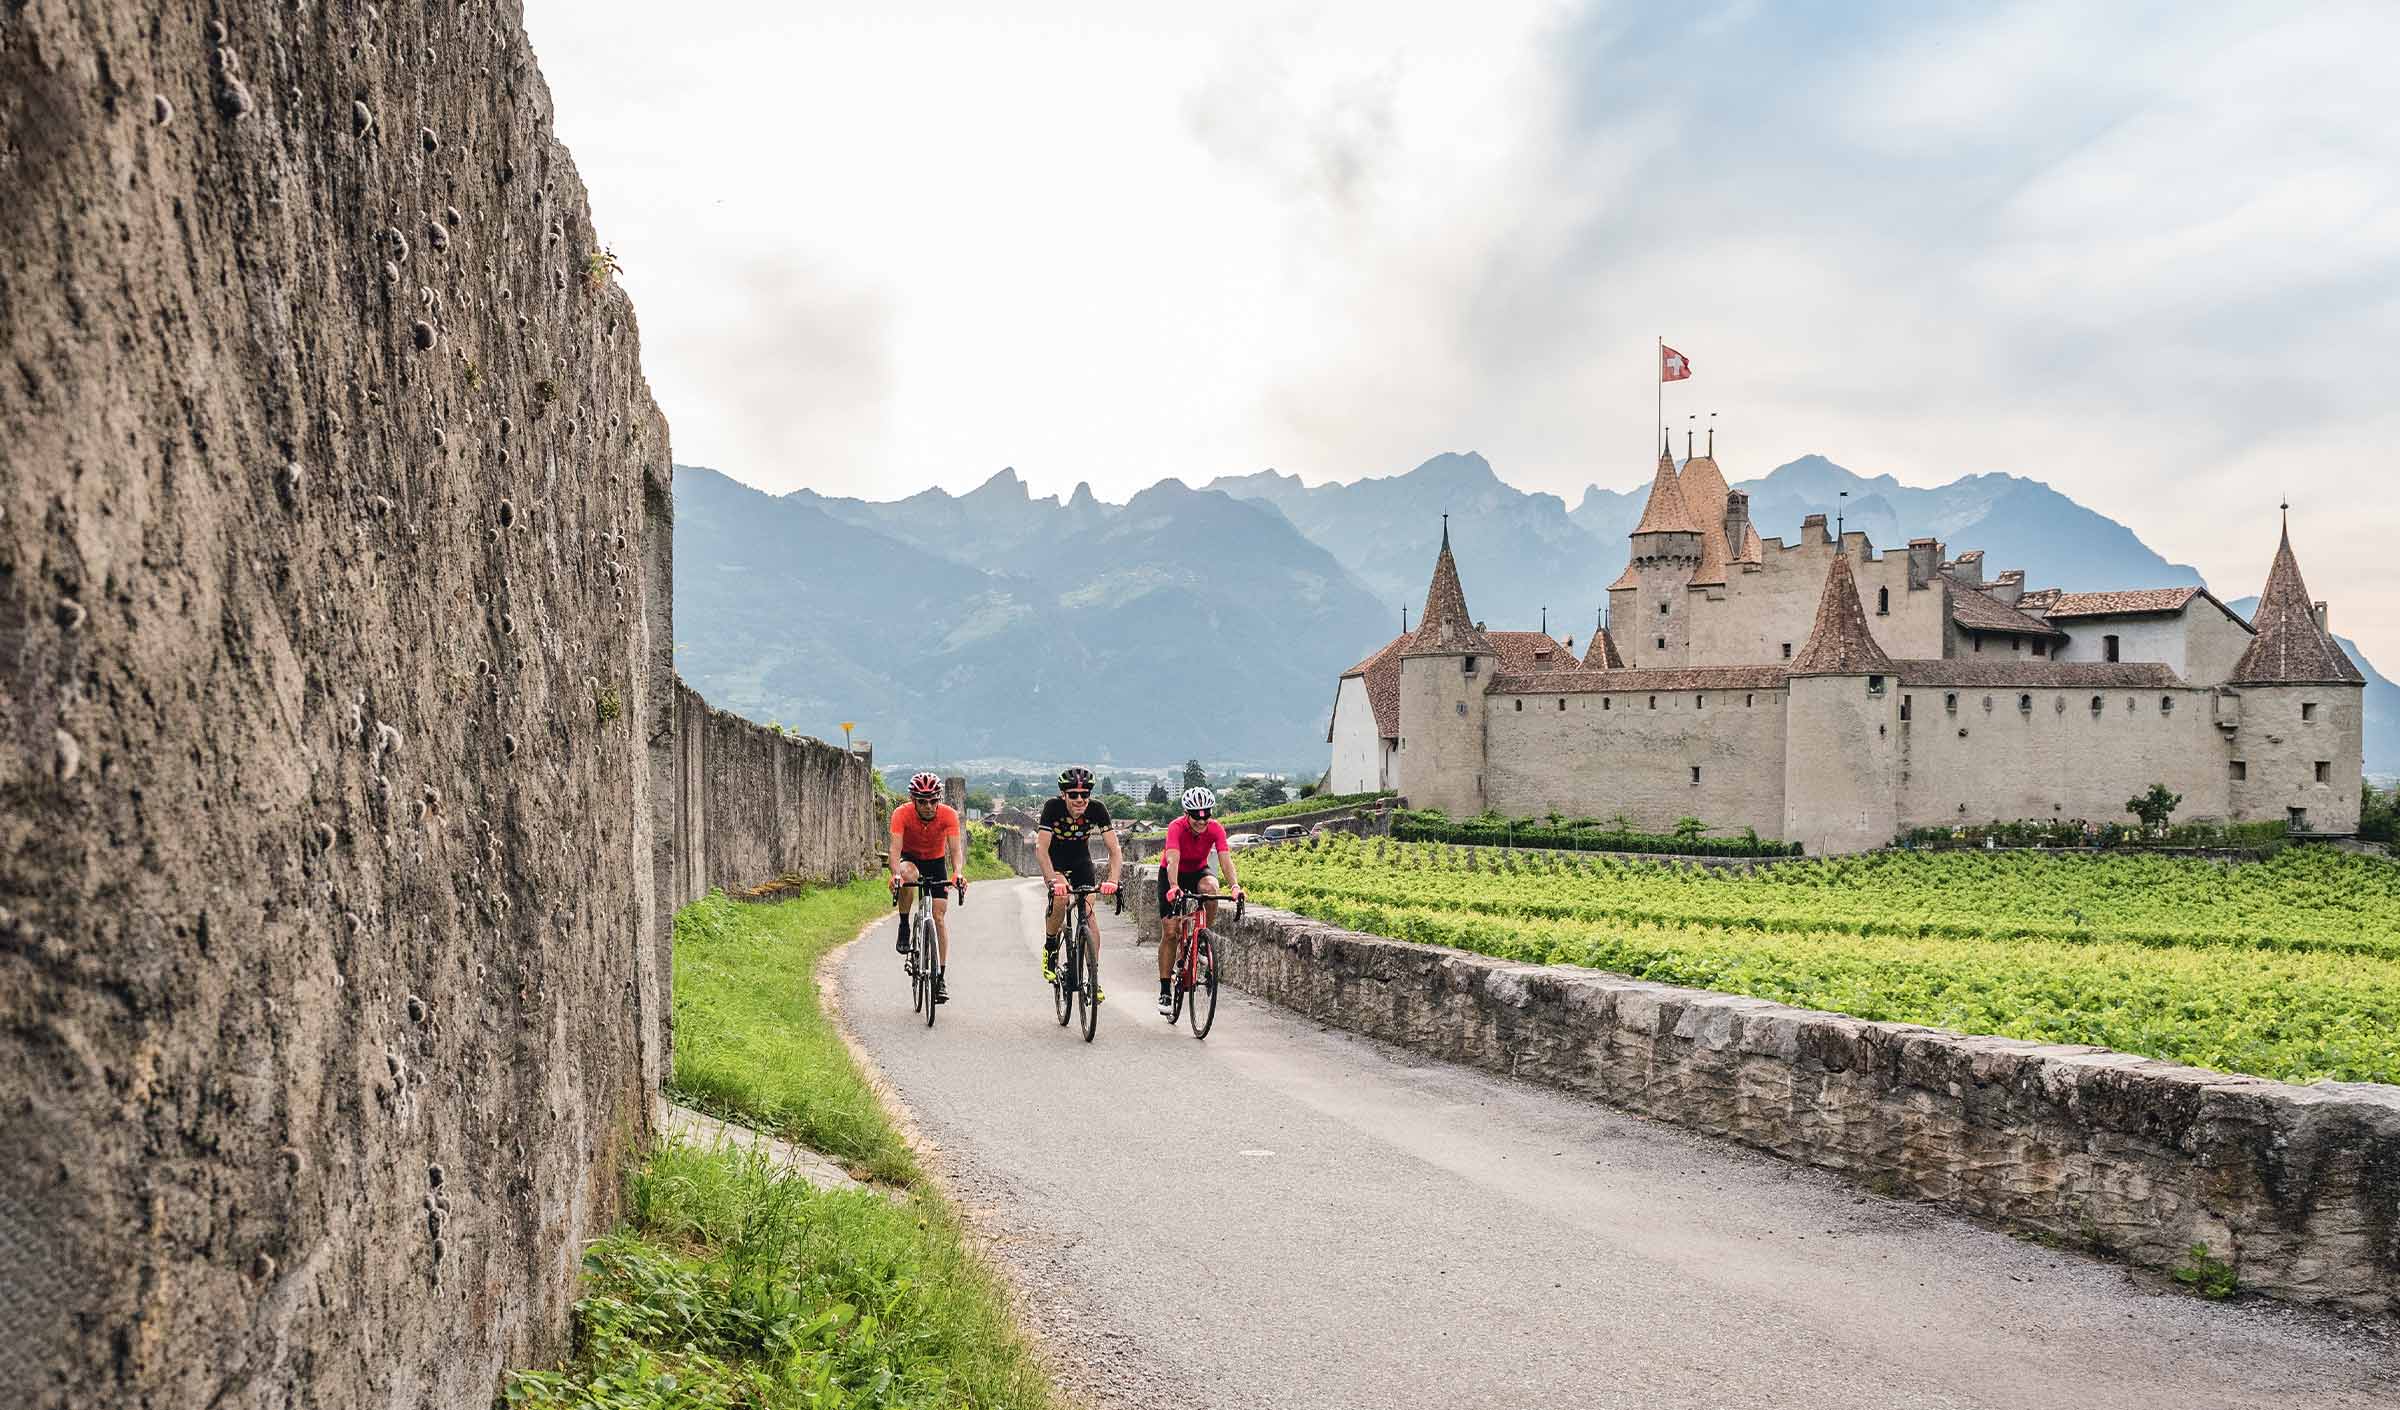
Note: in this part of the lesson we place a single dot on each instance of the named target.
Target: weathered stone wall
(332, 641)
(2286, 731)
(2298, 1187)
(1634, 751)
(754, 804)
(2057, 759)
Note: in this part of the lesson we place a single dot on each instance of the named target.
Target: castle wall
(1986, 758)
(1841, 769)
(1441, 742)
(1748, 621)
(1612, 752)
(2163, 638)
(1358, 753)
(2280, 752)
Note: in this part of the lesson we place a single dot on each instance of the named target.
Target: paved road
(1287, 1216)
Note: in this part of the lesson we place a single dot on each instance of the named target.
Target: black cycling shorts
(1188, 880)
(1078, 872)
(930, 868)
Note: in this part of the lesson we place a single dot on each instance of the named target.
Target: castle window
(2237, 771)
(2308, 712)
(1950, 702)
(2166, 704)
(1874, 685)
(1699, 702)
(2324, 771)
(1978, 636)
(1467, 666)
(2108, 647)
(1662, 643)
(1562, 702)
(1883, 602)
(2040, 647)
(1906, 701)
(1662, 609)
(2096, 704)
(1520, 707)
(1987, 704)
(1695, 775)
(2025, 703)
(1787, 651)
(1608, 702)
(2014, 644)
(1653, 702)
(1748, 701)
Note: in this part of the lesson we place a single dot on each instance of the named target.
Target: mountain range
(1214, 621)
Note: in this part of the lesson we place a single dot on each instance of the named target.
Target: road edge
(1065, 1370)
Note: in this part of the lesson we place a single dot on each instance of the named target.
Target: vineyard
(2287, 968)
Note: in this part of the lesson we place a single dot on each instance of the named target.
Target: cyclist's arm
(892, 862)
(1041, 854)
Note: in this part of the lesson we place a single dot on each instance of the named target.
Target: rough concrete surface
(327, 985)
(2298, 1188)
(1290, 1215)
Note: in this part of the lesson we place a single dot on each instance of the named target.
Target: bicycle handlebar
(1192, 900)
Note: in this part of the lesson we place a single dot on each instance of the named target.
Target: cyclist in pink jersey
(1183, 866)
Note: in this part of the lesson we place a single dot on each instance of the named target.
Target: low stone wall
(750, 804)
(2297, 1187)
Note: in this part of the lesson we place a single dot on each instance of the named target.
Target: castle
(1824, 693)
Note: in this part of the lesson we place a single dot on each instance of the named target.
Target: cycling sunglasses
(1079, 793)
(1201, 813)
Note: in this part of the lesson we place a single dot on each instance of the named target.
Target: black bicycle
(1076, 977)
(925, 957)
(1196, 961)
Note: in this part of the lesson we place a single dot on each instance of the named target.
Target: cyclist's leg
(905, 897)
(1166, 930)
(1208, 907)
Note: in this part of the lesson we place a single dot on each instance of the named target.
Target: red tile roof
(1705, 492)
(1446, 625)
(1382, 672)
(2291, 649)
(1667, 512)
(1528, 651)
(1978, 610)
(1654, 678)
(2115, 604)
(1602, 655)
(2094, 675)
(1840, 644)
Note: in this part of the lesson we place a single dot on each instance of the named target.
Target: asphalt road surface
(1285, 1215)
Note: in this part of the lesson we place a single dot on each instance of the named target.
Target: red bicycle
(1196, 960)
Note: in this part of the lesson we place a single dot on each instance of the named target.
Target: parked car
(1243, 839)
(1326, 828)
(1282, 832)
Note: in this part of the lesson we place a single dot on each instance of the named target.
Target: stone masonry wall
(332, 648)
(755, 805)
(2298, 1187)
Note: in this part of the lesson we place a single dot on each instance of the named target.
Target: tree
(1108, 785)
(1118, 805)
(1273, 792)
(1194, 776)
(1308, 790)
(1157, 794)
(2378, 813)
(1689, 829)
(2154, 807)
(980, 801)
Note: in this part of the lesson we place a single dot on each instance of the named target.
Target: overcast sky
(2149, 254)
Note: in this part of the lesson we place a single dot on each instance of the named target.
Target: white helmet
(1198, 800)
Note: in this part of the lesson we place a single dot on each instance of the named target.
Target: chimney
(2320, 614)
(2008, 587)
(1969, 568)
(1924, 561)
(1737, 522)
(1816, 522)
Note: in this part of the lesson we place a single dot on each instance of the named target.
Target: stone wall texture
(334, 694)
(2298, 1187)
(753, 804)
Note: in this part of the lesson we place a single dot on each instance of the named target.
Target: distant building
(1825, 693)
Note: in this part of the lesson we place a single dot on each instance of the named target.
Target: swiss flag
(1672, 365)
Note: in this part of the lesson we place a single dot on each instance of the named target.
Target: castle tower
(1648, 618)
(2296, 737)
(1444, 668)
(1840, 770)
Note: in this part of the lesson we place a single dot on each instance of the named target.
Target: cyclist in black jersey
(1063, 847)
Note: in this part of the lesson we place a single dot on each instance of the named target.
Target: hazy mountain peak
(1456, 468)
(1083, 498)
(1004, 484)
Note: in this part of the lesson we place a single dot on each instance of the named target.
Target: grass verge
(733, 1284)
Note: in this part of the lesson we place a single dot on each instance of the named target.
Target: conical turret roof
(2290, 648)
(1667, 512)
(1840, 644)
(1446, 627)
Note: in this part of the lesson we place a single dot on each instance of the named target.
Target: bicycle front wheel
(1088, 985)
(1062, 982)
(918, 989)
(929, 964)
(1204, 983)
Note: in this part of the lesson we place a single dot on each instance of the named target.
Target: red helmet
(925, 785)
